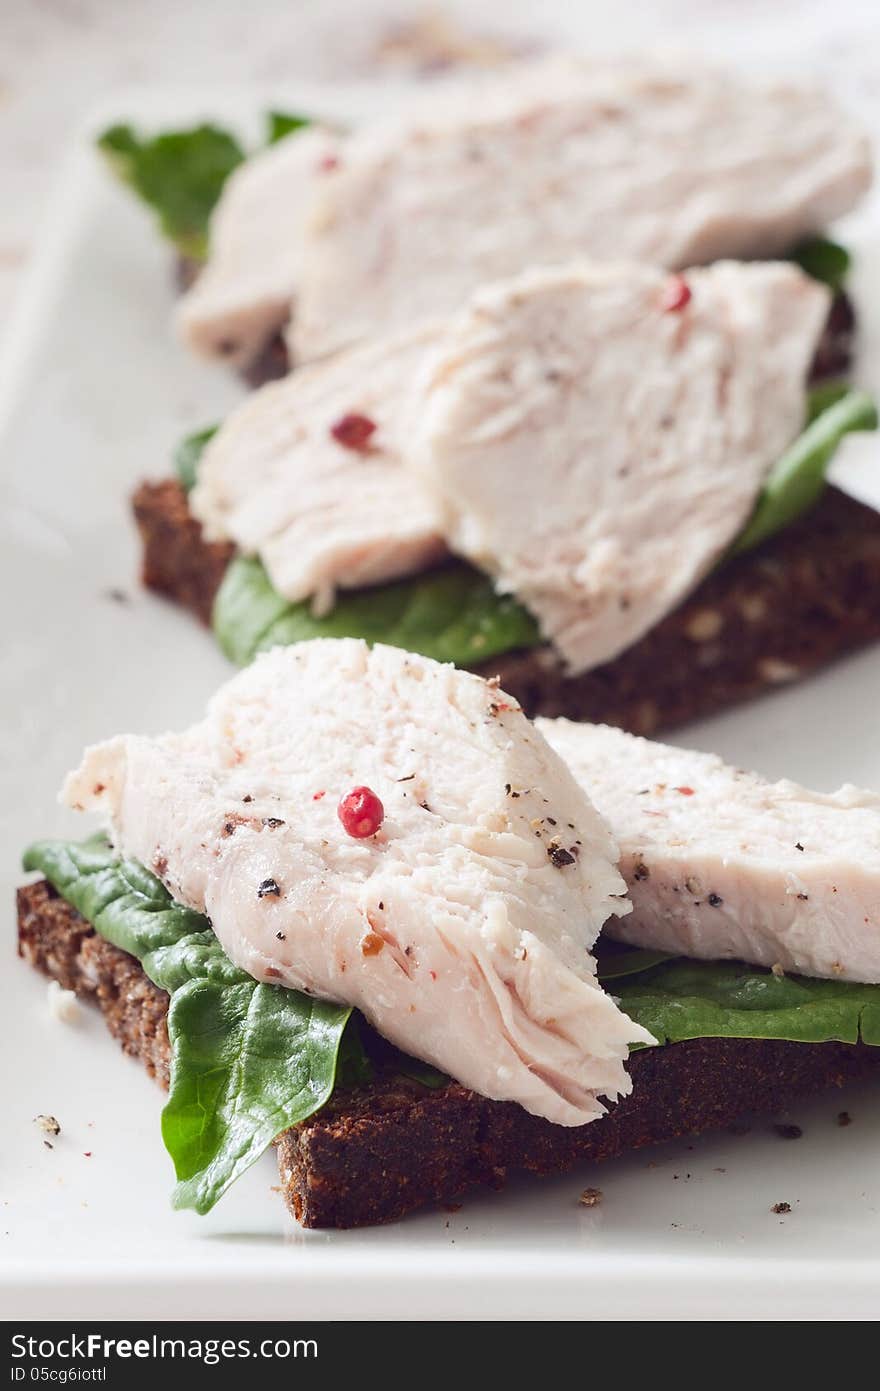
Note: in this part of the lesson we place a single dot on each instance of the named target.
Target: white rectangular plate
(94, 395)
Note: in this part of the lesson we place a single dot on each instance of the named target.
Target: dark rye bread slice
(382, 1151)
(792, 605)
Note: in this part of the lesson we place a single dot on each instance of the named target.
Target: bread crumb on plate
(591, 1197)
(63, 1004)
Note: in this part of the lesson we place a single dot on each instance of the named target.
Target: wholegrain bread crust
(767, 618)
(382, 1151)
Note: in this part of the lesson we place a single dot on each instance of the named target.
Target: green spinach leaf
(823, 259)
(614, 960)
(179, 175)
(797, 480)
(247, 1059)
(189, 452)
(452, 614)
(280, 124)
(823, 395)
(682, 999)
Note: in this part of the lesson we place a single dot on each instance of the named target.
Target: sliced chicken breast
(722, 864)
(307, 472)
(670, 164)
(462, 927)
(597, 435)
(243, 294)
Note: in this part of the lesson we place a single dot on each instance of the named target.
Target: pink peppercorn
(676, 295)
(353, 431)
(361, 812)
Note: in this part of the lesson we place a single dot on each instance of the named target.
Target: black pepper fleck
(641, 871)
(268, 888)
(797, 845)
(272, 822)
(561, 857)
(714, 900)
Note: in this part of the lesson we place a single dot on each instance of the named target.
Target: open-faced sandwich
(603, 481)
(355, 909)
(529, 437)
